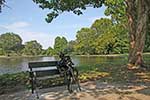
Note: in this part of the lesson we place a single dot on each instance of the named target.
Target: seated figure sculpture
(65, 63)
(69, 72)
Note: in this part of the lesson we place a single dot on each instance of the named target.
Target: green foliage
(71, 47)
(105, 36)
(85, 43)
(117, 10)
(147, 42)
(114, 41)
(105, 43)
(10, 42)
(57, 7)
(13, 82)
(122, 42)
(1, 51)
(50, 51)
(60, 44)
(32, 48)
(100, 39)
(102, 26)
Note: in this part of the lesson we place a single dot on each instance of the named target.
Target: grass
(109, 72)
(117, 73)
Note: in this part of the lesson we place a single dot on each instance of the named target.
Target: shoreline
(25, 56)
(108, 55)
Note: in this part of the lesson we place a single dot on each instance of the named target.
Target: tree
(110, 39)
(138, 18)
(100, 25)
(102, 43)
(1, 4)
(32, 48)
(10, 42)
(85, 43)
(71, 46)
(121, 39)
(59, 6)
(1, 51)
(49, 51)
(60, 44)
(137, 12)
(105, 43)
(117, 10)
(147, 42)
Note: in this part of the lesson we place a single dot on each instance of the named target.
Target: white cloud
(20, 28)
(16, 25)
(92, 19)
(44, 39)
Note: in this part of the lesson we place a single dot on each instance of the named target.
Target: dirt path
(90, 91)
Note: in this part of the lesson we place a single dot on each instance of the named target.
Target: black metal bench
(43, 70)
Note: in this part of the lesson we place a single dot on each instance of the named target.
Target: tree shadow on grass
(91, 90)
(145, 91)
(96, 91)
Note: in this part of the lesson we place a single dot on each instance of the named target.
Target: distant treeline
(103, 37)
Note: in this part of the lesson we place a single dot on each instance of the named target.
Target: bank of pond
(105, 69)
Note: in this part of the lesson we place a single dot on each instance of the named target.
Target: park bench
(42, 71)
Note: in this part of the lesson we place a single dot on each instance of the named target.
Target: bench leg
(33, 86)
(69, 84)
(75, 75)
(77, 80)
(67, 81)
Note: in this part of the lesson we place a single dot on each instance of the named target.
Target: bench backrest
(45, 68)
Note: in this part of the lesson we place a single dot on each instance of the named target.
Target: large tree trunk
(137, 12)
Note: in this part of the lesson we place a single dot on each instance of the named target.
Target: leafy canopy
(57, 7)
(85, 42)
(60, 44)
(10, 42)
(32, 48)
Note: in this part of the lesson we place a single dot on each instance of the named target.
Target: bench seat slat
(42, 64)
(43, 73)
(48, 77)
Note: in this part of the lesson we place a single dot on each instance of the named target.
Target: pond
(18, 64)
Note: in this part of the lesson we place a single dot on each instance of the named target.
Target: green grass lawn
(115, 73)
(110, 72)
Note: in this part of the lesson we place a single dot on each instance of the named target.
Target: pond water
(18, 64)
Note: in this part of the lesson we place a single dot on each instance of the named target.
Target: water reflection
(93, 60)
(17, 64)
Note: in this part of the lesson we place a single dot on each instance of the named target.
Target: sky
(26, 19)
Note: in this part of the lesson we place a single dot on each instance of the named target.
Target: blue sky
(27, 20)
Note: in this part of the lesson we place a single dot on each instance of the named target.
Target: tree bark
(137, 12)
